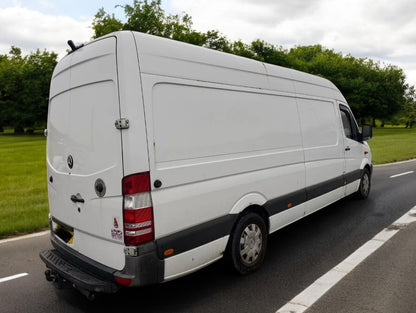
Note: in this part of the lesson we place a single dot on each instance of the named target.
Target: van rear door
(84, 153)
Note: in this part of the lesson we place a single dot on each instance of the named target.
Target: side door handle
(77, 198)
(347, 148)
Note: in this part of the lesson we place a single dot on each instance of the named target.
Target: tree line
(24, 89)
(374, 90)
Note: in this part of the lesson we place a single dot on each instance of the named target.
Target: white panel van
(163, 157)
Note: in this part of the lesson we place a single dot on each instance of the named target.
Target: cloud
(400, 13)
(31, 30)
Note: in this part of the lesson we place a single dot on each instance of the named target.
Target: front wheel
(248, 243)
(365, 185)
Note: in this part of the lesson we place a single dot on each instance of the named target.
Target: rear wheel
(248, 243)
(365, 185)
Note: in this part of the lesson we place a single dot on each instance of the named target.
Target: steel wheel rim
(251, 243)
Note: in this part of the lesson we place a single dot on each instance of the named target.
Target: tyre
(365, 185)
(248, 243)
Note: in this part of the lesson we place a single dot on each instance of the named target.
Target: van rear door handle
(347, 148)
(77, 198)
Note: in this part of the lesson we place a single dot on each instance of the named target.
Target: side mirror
(366, 132)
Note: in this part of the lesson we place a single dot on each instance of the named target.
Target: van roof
(166, 57)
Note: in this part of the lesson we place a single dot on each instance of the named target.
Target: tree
(241, 49)
(36, 81)
(409, 107)
(391, 92)
(24, 88)
(214, 40)
(373, 90)
(11, 84)
(149, 17)
(104, 23)
(269, 53)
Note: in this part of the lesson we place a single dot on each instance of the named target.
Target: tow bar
(61, 283)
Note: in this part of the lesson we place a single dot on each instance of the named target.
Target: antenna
(72, 45)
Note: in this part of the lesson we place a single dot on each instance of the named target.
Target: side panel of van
(210, 148)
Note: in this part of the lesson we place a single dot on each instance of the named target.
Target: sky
(383, 30)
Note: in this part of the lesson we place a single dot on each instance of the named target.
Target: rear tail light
(137, 209)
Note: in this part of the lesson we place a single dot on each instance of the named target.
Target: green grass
(23, 197)
(393, 144)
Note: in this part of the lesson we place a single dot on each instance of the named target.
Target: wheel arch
(248, 200)
(366, 164)
(369, 167)
(252, 202)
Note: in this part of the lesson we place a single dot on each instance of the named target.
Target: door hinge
(122, 123)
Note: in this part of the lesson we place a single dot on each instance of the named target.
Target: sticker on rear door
(116, 233)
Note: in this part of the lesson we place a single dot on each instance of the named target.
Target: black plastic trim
(280, 204)
(196, 236)
(353, 176)
(144, 269)
(320, 189)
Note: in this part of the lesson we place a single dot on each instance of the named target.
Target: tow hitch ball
(48, 275)
(58, 280)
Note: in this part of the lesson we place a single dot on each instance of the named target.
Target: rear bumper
(74, 276)
(87, 275)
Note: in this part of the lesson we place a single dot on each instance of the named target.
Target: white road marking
(402, 174)
(25, 236)
(2, 280)
(310, 295)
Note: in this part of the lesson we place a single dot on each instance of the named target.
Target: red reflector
(136, 183)
(122, 281)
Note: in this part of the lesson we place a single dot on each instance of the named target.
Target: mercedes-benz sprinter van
(163, 157)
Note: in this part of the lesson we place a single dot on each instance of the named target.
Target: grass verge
(23, 198)
(393, 144)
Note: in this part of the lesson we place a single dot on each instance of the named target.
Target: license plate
(64, 233)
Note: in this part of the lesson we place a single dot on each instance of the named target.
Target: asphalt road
(296, 257)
